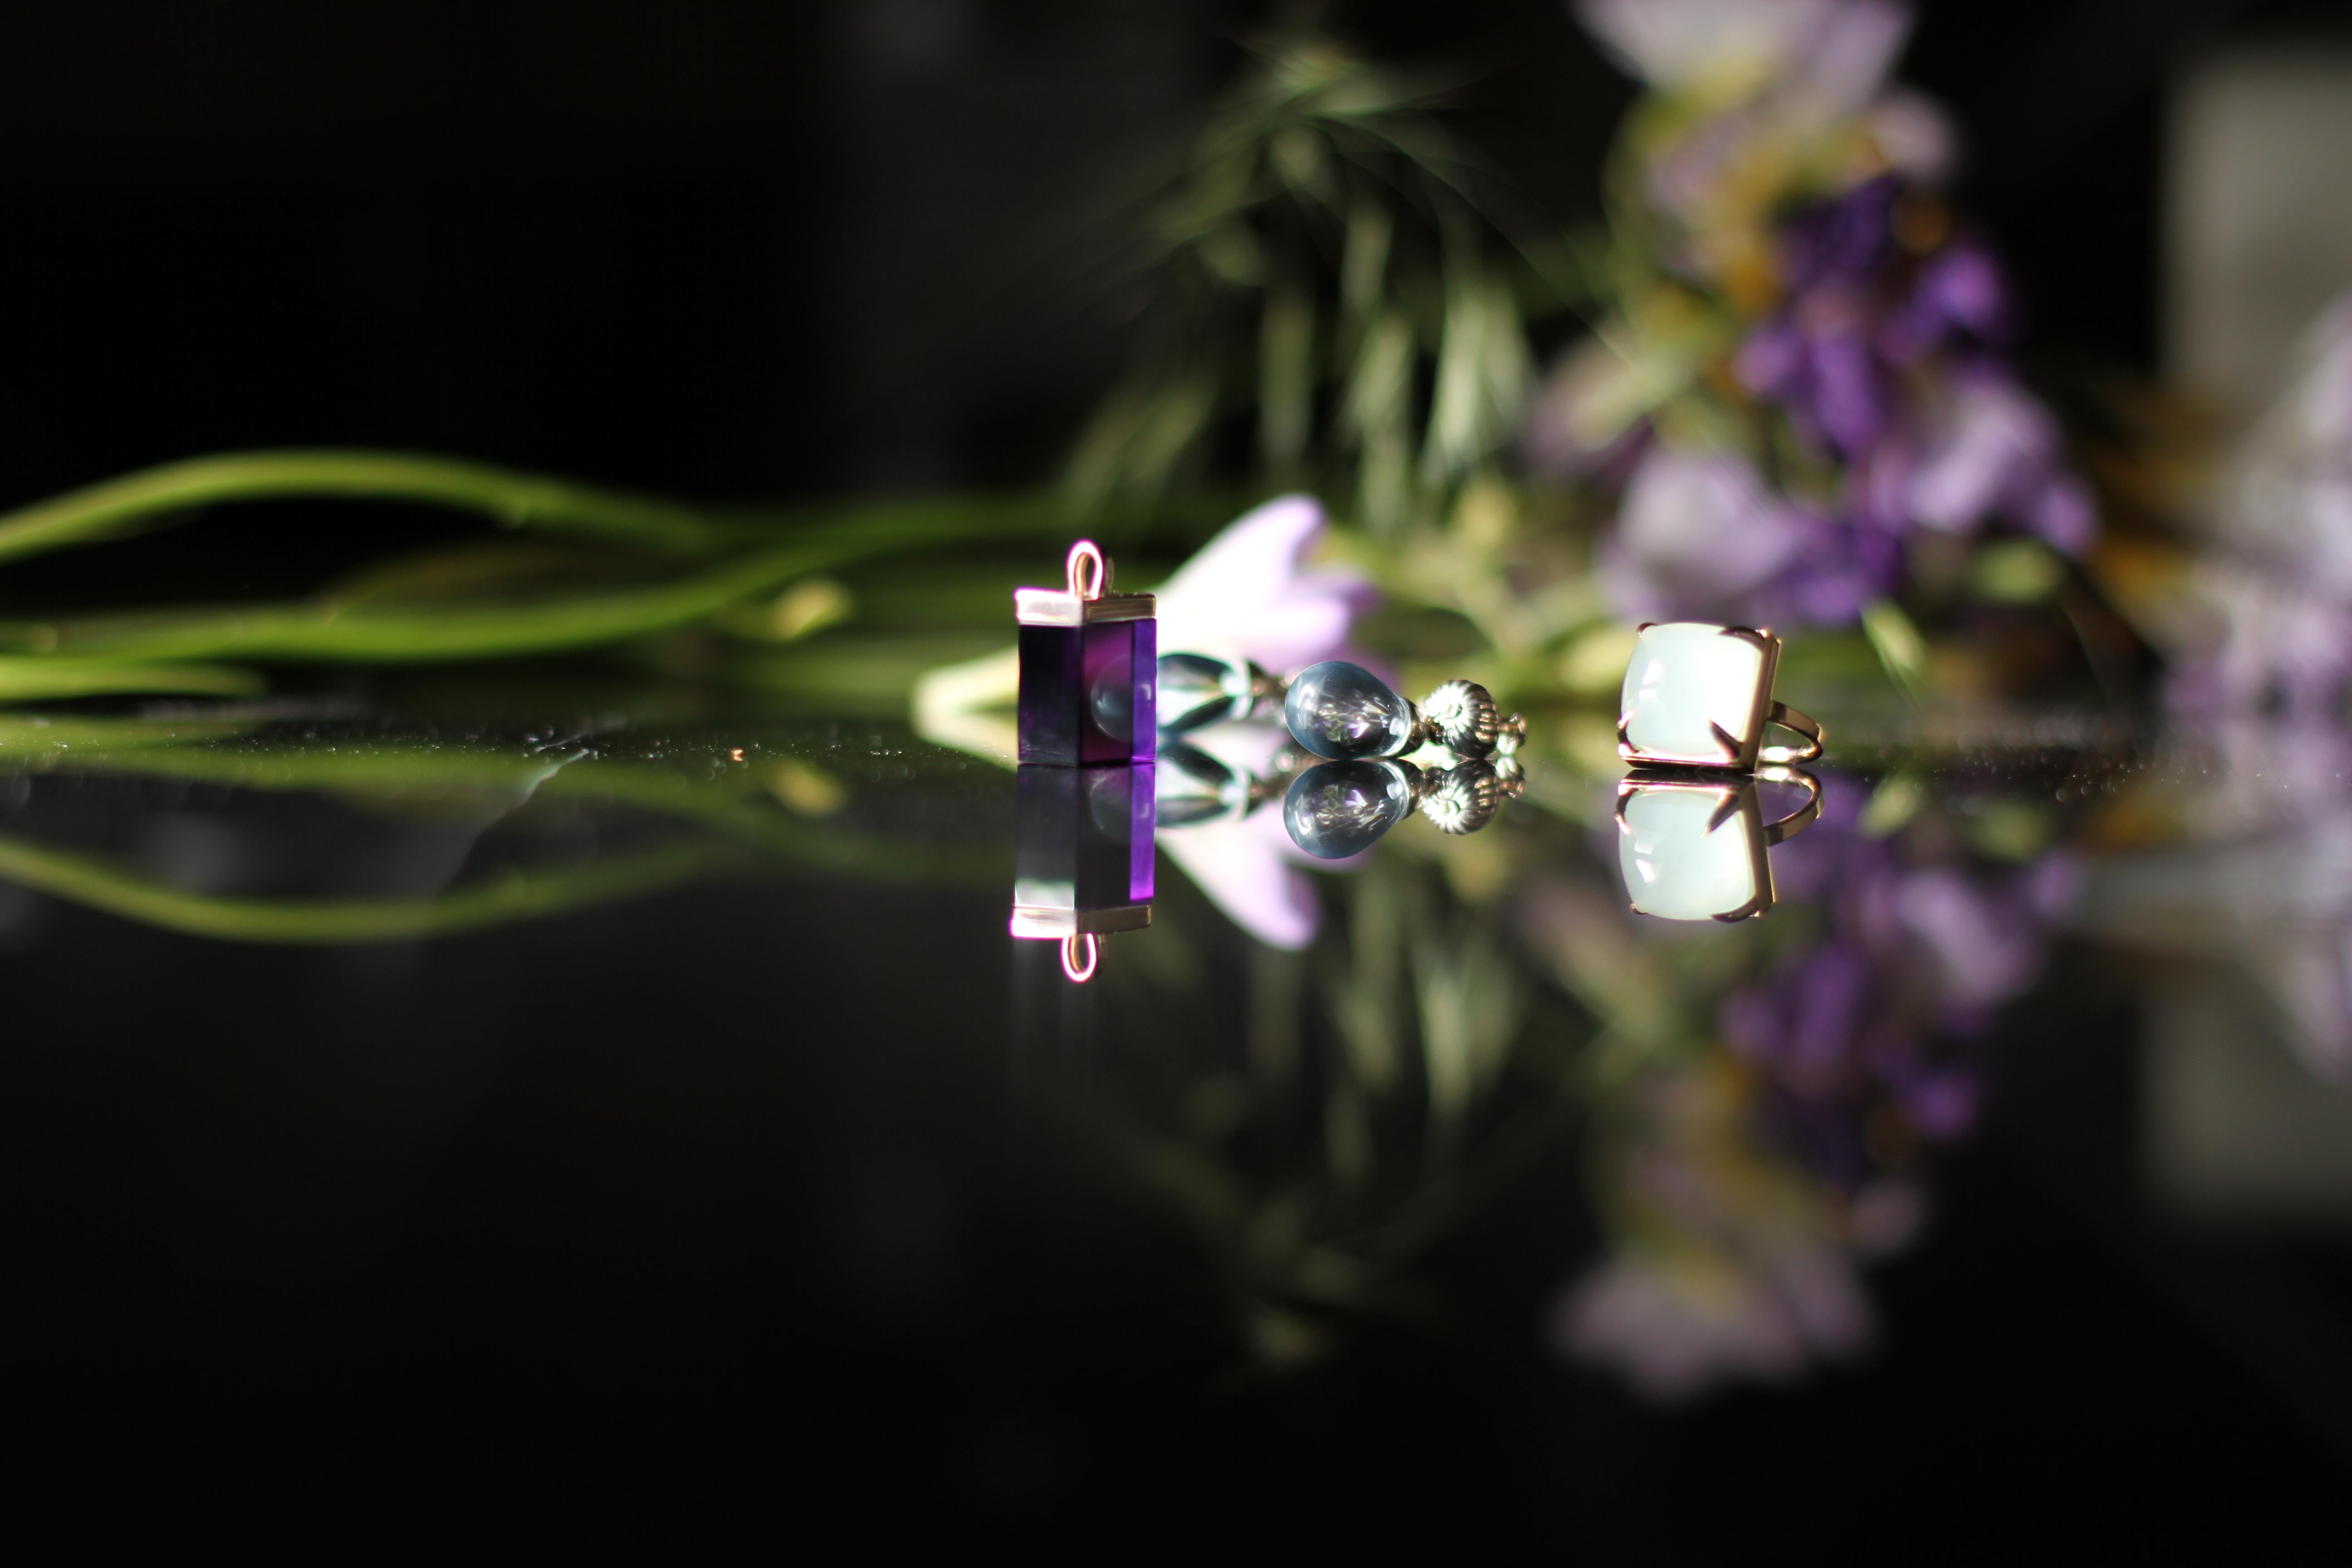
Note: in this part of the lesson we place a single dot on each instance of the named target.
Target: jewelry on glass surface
(1690, 842)
(1343, 711)
(1089, 667)
(1699, 695)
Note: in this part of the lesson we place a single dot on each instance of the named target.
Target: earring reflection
(1342, 808)
(1194, 786)
(1692, 845)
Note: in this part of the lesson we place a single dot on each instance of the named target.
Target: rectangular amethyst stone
(1083, 859)
(1088, 692)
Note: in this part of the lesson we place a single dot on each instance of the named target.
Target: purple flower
(1959, 295)
(1696, 535)
(1702, 536)
(1985, 450)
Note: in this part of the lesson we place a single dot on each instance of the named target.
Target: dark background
(743, 250)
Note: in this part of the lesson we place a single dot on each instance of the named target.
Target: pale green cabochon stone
(1685, 677)
(1674, 867)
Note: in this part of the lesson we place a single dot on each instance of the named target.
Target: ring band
(1787, 718)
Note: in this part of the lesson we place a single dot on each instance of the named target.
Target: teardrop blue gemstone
(1340, 710)
(1338, 809)
(1197, 689)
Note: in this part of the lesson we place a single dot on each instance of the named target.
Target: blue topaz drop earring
(1700, 696)
(1345, 713)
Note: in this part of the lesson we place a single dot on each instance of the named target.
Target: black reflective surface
(659, 1097)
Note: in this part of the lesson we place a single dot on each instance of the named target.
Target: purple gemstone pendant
(1089, 667)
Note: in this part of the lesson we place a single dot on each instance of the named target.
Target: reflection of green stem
(522, 895)
(121, 505)
(369, 766)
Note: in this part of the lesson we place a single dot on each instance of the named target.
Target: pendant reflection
(1082, 859)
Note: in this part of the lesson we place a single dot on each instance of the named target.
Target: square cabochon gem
(1696, 694)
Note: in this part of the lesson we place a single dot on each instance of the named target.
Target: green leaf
(1901, 650)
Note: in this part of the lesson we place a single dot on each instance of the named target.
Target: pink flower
(1248, 866)
(1250, 594)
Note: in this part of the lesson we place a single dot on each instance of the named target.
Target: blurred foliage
(1323, 266)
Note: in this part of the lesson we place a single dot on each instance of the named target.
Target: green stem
(416, 633)
(121, 505)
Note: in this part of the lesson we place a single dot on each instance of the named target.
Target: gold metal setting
(1086, 599)
(1746, 750)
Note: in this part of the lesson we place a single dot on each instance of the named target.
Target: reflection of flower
(2277, 587)
(1676, 1327)
(1913, 960)
(2267, 883)
(1248, 868)
(1249, 594)
(1247, 864)
(1733, 1265)
(1748, 1177)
